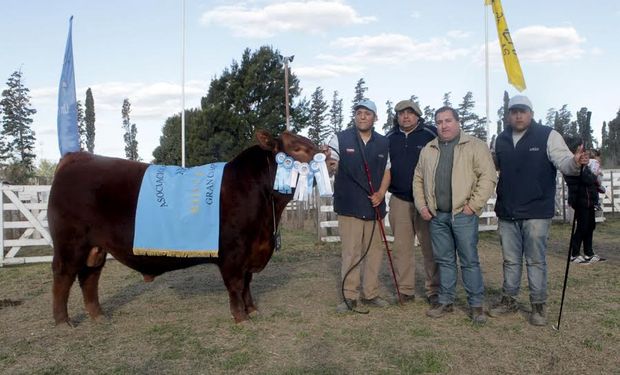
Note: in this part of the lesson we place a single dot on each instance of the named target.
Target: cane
(572, 233)
(380, 221)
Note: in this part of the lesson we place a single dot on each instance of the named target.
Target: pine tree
(18, 138)
(360, 90)
(429, 114)
(89, 120)
(502, 114)
(604, 137)
(446, 99)
(318, 129)
(562, 122)
(471, 123)
(81, 124)
(131, 144)
(335, 114)
(583, 127)
(550, 118)
(389, 118)
(611, 147)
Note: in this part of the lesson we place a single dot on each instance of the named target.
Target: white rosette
(277, 183)
(295, 173)
(321, 174)
(286, 179)
(301, 191)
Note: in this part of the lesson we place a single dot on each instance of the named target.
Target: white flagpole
(183, 85)
(486, 66)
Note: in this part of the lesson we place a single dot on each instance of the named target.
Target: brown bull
(92, 209)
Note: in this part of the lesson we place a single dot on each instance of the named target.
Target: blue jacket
(404, 154)
(351, 188)
(527, 178)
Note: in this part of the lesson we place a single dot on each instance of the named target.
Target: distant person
(595, 166)
(453, 180)
(407, 138)
(528, 156)
(355, 205)
(582, 190)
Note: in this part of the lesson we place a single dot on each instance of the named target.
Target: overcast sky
(132, 49)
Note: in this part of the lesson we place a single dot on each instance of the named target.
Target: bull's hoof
(148, 278)
(241, 318)
(253, 312)
(63, 323)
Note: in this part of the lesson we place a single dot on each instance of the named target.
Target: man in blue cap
(528, 156)
(354, 152)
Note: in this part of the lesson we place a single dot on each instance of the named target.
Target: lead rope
(277, 240)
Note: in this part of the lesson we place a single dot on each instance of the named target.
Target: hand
(377, 198)
(426, 214)
(468, 211)
(581, 157)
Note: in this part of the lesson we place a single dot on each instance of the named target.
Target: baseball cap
(519, 102)
(404, 104)
(368, 104)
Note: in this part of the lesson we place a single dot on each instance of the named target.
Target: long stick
(572, 233)
(382, 229)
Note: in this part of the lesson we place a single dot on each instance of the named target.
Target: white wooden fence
(610, 202)
(24, 235)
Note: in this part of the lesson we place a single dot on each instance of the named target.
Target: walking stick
(380, 221)
(572, 233)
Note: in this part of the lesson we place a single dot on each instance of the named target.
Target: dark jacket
(582, 189)
(404, 154)
(527, 178)
(351, 189)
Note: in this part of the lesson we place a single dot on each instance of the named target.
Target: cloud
(416, 15)
(458, 34)
(541, 44)
(393, 49)
(326, 71)
(314, 16)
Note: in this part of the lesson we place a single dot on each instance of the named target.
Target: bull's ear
(266, 140)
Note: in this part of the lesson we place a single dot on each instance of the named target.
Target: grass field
(180, 323)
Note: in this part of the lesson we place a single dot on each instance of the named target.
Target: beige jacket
(473, 175)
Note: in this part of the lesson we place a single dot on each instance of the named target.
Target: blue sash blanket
(178, 212)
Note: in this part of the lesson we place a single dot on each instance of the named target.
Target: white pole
(486, 65)
(286, 104)
(183, 85)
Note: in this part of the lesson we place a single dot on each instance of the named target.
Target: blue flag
(68, 135)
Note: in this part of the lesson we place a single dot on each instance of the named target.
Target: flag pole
(486, 66)
(183, 84)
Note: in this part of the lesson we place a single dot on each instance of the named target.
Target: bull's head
(298, 147)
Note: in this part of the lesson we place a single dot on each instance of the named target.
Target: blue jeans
(450, 236)
(527, 238)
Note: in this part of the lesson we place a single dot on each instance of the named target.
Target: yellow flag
(511, 61)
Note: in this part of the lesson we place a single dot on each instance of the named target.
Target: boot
(477, 316)
(507, 305)
(439, 311)
(538, 317)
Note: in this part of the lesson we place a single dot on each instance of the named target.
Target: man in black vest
(528, 156)
(407, 138)
(355, 152)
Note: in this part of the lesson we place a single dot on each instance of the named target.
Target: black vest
(404, 155)
(351, 188)
(527, 178)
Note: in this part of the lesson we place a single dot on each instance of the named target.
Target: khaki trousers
(355, 236)
(406, 222)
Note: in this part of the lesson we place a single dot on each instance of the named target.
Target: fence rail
(24, 218)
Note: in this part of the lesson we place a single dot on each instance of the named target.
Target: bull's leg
(250, 307)
(63, 280)
(89, 282)
(234, 282)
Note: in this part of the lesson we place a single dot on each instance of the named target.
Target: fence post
(611, 187)
(1, 223)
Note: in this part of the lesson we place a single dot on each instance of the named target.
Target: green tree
(17, 136)
(446, 99)
(131, 143)
(562, 122)
(45, 172)
(611, 143)
(551, 117)
(247, 96)
(502, 114)
(471, 123)
(429, 114)
(583, 127)
(81, 124)
(318, 129)
(335, 114)
(604, 137)
(389, 118)
(360, 94)
(89, 120)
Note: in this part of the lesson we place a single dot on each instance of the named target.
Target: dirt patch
(9, 303)
(180, 323)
